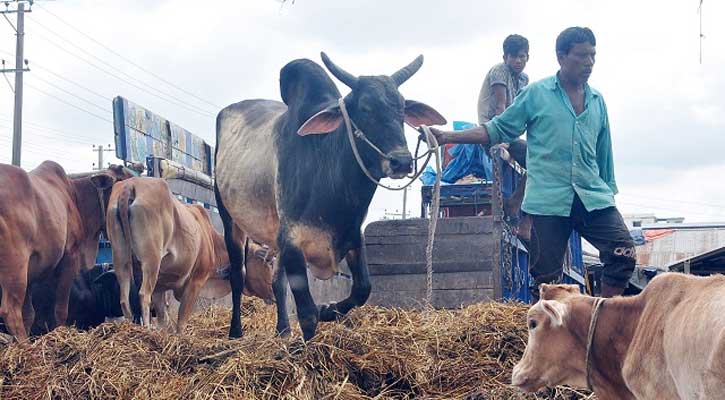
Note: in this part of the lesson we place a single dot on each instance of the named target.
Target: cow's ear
(556, 311)
(417, 114)
(573, 289)
(102, 181)
(544, 290)
(324, 121)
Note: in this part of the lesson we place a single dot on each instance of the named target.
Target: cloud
(665, 108)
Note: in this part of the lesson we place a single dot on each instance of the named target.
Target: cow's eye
(532, 324)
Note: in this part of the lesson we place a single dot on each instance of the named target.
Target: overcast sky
(666, 109)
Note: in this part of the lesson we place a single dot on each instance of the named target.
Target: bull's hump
(247, 115)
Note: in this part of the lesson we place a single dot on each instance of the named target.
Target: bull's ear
(556, 311)
(102, 181)
(324, 121)
(417, 114)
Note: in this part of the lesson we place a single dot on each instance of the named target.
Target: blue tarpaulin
(468, 159)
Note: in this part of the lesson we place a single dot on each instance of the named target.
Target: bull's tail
(126, 197)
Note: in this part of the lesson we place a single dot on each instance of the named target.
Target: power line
(105, 110)
(57, 75)
(166, 97)
(42, 150)
(69, 104)
(41, 127)
(127, 60)
(12, 89)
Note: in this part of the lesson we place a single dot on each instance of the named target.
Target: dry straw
(374, 353)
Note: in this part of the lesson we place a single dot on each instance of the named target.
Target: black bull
(95, 296)
(321, 193)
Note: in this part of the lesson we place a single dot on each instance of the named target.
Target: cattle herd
(293, 182)
(286, 179)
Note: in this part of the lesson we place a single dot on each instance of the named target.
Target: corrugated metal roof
(690, 225)
(679, 245)
(709, 262)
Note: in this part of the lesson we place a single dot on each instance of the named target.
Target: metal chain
(506, 231)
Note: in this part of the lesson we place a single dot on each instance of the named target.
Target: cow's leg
(150, 274)
(360, 291)
(123, 274)
(159, 301)
(68, 268)
(279, 287)
(188, 301)
(236, 260)
(122, 267)
(28, 309)
(292, 260)
(14, 283)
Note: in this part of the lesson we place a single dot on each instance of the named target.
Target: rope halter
(353, 132)
(598, 302)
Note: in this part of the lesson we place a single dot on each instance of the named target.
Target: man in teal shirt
(570, 165)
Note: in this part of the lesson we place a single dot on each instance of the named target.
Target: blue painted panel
(140, 133)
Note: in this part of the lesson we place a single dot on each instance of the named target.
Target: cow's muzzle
(523, 381)
(398, 164)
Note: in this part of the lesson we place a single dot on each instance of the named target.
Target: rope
(433, 148)
(598, 302)
(352, 134)
(433, 222)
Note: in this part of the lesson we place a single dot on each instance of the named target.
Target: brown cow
(49, 224)
(666, 343)
(175, 245)
(258, 275)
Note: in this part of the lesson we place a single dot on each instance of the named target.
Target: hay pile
(373, 353)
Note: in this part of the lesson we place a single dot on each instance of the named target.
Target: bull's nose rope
(598, 302)
(356, 132)
(433, 149)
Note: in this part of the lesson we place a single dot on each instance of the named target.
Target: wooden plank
(418, 226)
(192, 190)
(481, 264)
(443, 250)
(423, 238)
(415, 299)
(449, 280)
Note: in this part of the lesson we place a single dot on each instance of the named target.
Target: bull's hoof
(328, 313)
(309, 327)
(235, 333)
(283, 331)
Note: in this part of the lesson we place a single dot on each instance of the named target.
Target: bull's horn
(345, 77)
(407, 71)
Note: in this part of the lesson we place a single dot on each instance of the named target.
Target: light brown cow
(666, 343)
(175, 245)
(49, 226)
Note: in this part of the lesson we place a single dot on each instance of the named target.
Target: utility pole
(19, 69)
(699, 11)
(100, 149)
(405, 201)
